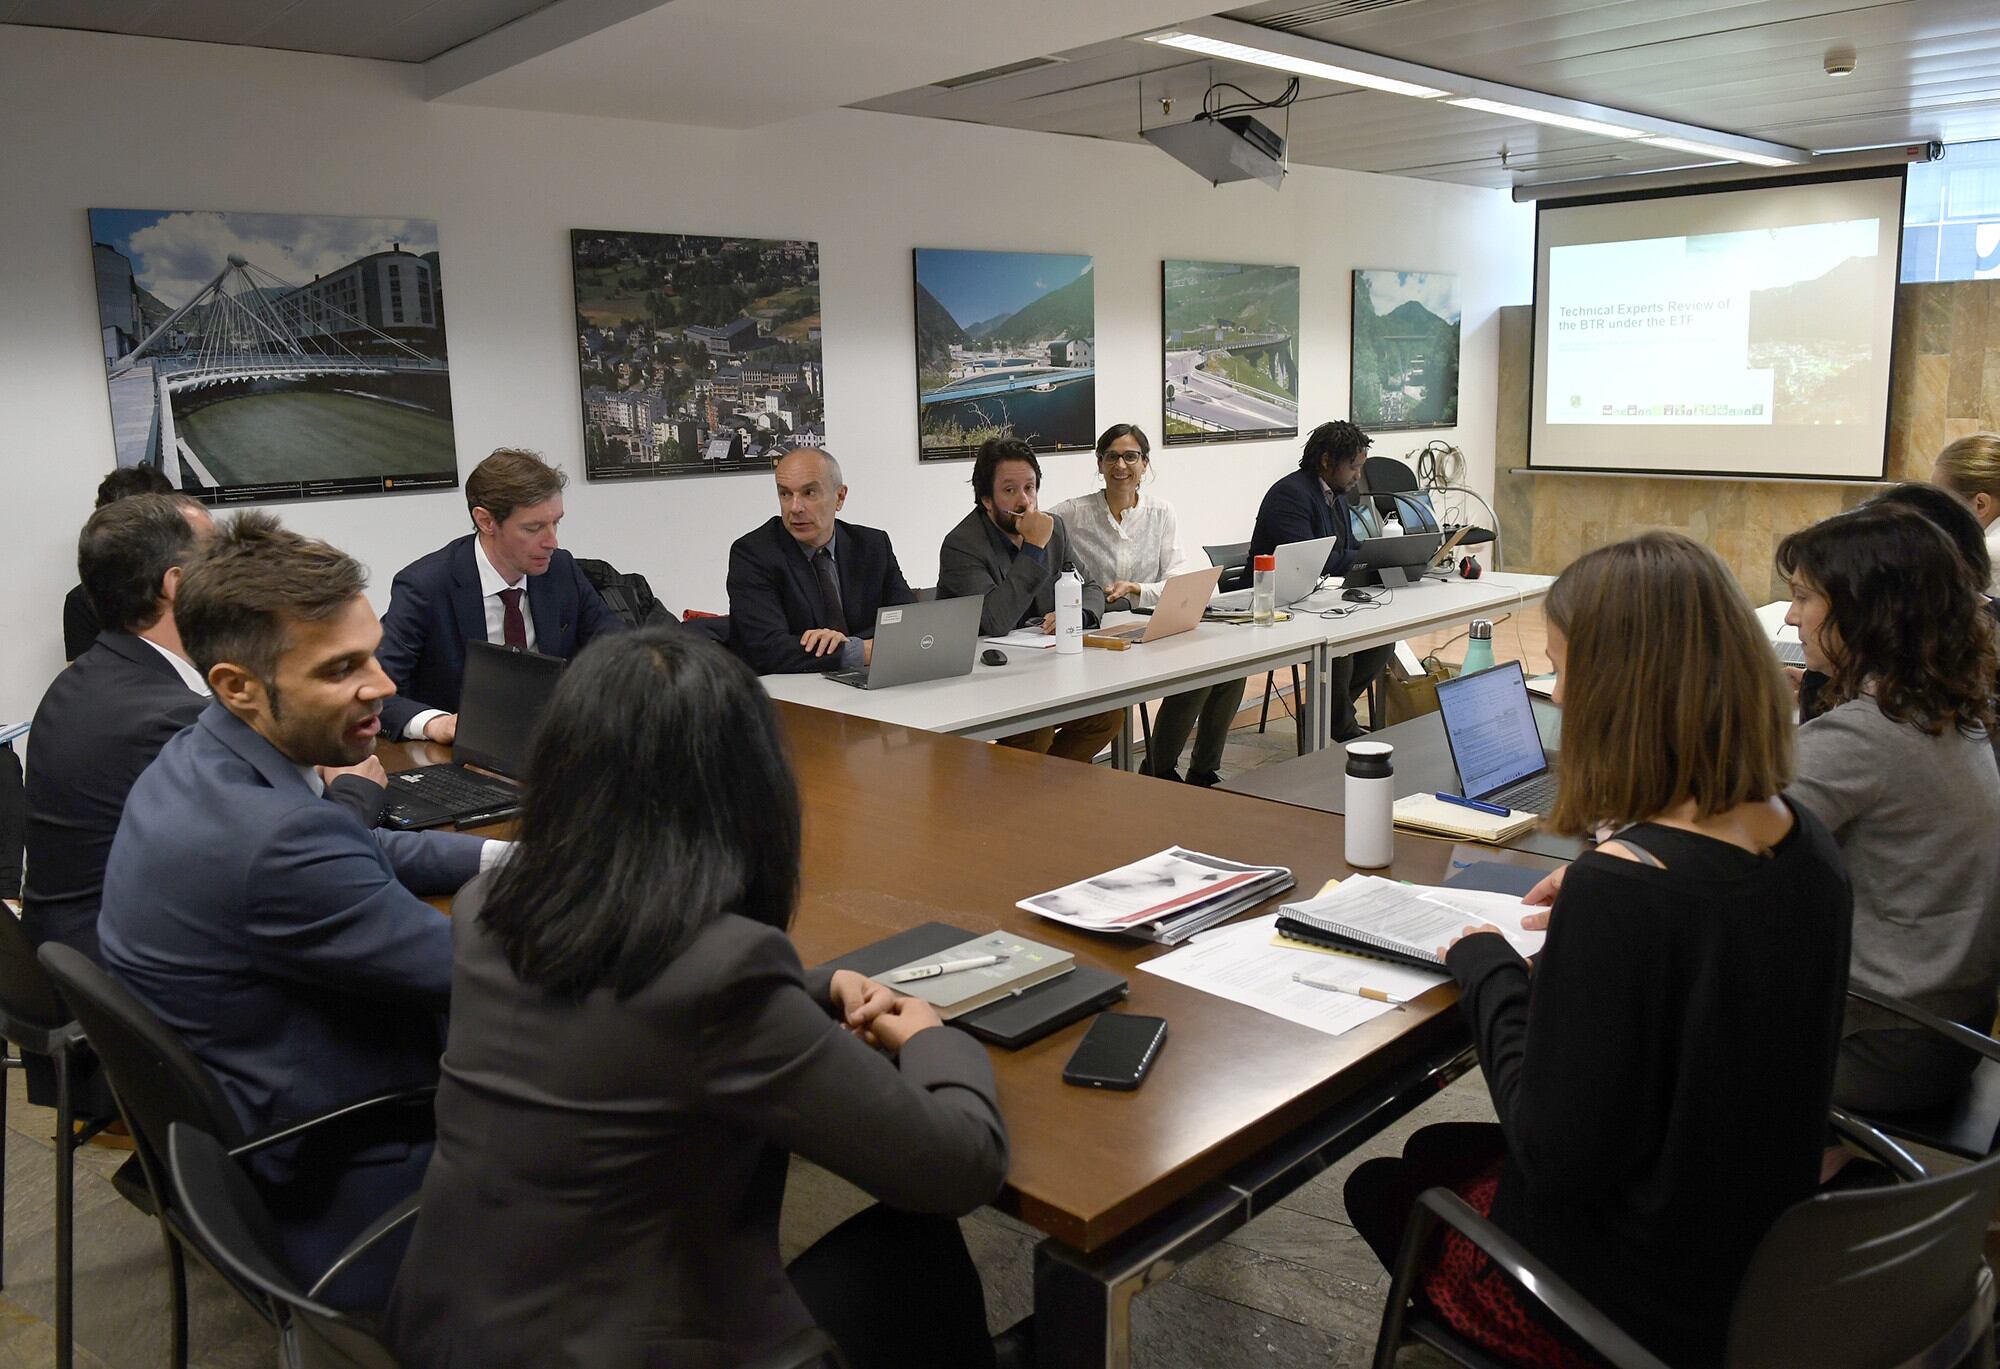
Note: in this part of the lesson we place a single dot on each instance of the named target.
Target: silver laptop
(1300, 566)
(1182, 600)
(925, 641)
(1489, 724)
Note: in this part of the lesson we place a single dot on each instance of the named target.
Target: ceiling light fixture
(1547, 116)
(1298, 66)
(1232, 40)
(1721, 154)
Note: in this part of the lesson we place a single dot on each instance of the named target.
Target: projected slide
(1754, 327)
(1741, 332)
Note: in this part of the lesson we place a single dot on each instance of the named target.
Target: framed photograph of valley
(1231, 351)
(255, 357)
(1405, 355)
(1006, 347)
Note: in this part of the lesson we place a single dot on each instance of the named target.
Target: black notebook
(1014, 1021)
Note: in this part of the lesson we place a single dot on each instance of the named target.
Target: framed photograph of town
(275, 356)
(1231, 350)
(1405, 354)
(699, 355)
(1006, 347)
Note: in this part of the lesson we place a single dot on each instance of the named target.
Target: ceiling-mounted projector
(1234, 147)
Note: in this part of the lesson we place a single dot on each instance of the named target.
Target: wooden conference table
(1039, 688)
(904, 826)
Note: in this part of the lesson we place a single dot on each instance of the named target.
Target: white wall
(99, 121)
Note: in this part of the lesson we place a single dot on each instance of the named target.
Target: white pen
(910, 973)
(1332, 986)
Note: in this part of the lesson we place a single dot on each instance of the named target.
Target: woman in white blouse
(1129, 541)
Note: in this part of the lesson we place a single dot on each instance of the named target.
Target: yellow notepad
(1430, 814)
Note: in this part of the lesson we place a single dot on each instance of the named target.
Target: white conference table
(1041, 688)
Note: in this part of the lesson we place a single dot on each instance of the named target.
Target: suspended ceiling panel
(1924, 69)
(391, 30)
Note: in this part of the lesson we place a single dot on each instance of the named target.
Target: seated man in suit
(288, 945)
(1313, 502)
(80, 623)
(473, 589)
(1010, 551)
(803, 588)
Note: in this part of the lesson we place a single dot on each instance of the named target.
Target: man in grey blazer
(285, 942)
(1008, 551)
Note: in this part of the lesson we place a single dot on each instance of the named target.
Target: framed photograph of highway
(1405, 353)
(1006, 347)
(254, 357)
(699, 355)
(1231, 350)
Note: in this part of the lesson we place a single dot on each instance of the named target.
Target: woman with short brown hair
(1663, 1093)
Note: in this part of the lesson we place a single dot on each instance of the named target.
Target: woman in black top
(1663, 1092)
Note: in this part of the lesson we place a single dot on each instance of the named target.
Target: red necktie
(513, 631)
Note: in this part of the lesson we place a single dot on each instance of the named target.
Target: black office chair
(1881, 1278)
(1234, 558)
(1969, 1125)
(228, 1223)
(158, 1082)
(33, 1018)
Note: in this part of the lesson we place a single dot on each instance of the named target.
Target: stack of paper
(1241, 963)
(1166, 897)
(1430, 814)
(1404, 923)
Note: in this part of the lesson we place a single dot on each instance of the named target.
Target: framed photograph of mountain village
(698, 355)
(1405, 356)
(1006, 347)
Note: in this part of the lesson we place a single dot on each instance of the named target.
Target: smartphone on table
(1116, 1052)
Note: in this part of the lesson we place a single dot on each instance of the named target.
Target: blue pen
(1495, 809)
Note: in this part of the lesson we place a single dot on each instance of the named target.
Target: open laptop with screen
(921, 641)
(500, 702)
(1183, 599)
(1300, 566)
(1489, 723)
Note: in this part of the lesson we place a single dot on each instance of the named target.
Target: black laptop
(503, 697)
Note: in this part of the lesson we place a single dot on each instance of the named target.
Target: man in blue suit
(804, 587)
(286, 943)
(506, 582)
(1310, 503)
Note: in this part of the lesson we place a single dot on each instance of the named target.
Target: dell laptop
(503, 697)
(1489, 724)
(1393, 561)
(1182, 601)
(1300, 568)
(921, 641)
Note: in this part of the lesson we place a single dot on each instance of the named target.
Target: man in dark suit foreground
(1009, 551)
(287, 944)
(804, 587)
(506, 582)
(1310, 503)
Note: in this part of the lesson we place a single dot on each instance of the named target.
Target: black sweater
(1663, 1087)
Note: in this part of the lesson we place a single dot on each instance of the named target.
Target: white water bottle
(1069, 612)
(1392, 526)
(1371, 783)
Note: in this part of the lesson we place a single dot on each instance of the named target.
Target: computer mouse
(1357, 596)
(993, 655)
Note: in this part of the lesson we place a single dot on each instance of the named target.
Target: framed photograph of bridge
(1405, 354)
(699, 355)
(1231, 351)
(1006, 347)
(275, 356)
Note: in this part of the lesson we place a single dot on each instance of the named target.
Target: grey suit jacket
(608, 1174)
(977, 559)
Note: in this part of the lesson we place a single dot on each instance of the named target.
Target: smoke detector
(1840, 62)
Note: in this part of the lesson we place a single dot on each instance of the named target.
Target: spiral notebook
(1404, 923)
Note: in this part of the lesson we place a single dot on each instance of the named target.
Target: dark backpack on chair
(629, 596)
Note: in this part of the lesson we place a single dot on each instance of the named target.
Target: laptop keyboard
(434, 789)
(1536, 795)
